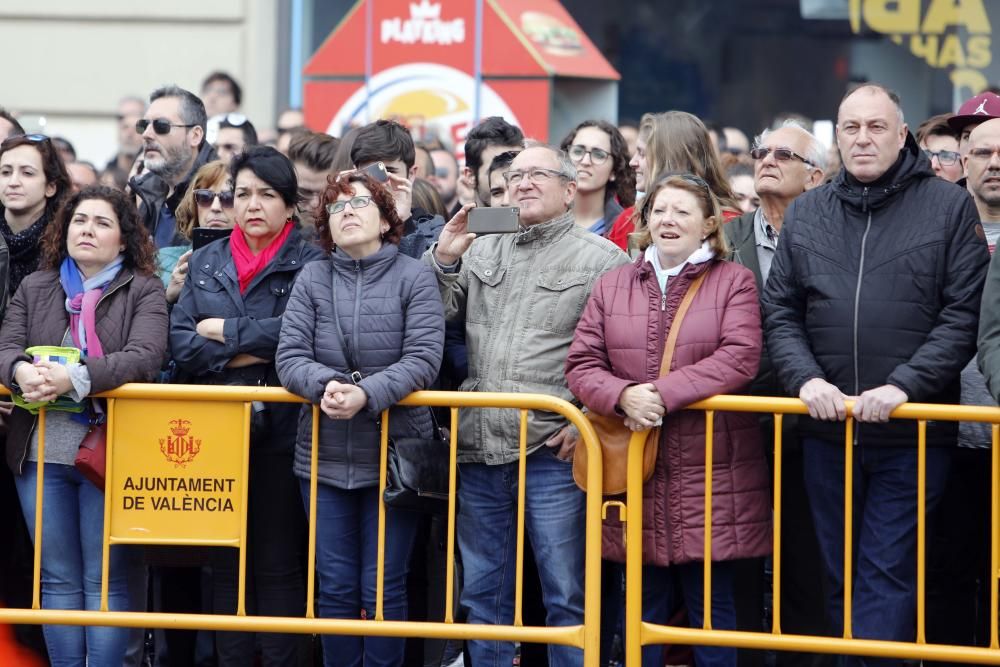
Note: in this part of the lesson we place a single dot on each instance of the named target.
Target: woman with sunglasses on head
(96, 291)
(605, 181)
(33, 184)
(208, 203)
(224, 330)
(614, 368)
(364, 328)
(673, 142)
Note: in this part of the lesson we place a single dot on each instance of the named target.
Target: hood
(911, 166)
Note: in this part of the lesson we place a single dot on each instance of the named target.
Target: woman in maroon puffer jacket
(613, 367)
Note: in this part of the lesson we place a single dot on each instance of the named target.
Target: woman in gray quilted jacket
(361, 330)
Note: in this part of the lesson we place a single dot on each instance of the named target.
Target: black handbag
(417, 469)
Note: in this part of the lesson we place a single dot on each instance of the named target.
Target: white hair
(815, 152)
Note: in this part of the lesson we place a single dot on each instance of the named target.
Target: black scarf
(25, 249)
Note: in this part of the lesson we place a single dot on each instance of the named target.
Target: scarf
(25, 249)
(699, 256)
(249, 265)
(82, 296)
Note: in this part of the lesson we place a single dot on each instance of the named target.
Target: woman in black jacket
(224, 330)
(363, 329)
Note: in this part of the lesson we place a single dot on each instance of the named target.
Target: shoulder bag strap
(675, 326)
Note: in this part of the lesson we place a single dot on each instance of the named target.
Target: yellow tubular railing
(639, 633)
(585, 636)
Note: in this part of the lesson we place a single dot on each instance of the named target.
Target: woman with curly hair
(605, 181)
(363, 329)
(97, 291)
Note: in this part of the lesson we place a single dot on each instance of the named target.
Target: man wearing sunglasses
(174, 148)
(873, 297)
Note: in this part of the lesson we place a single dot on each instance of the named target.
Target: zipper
(354, 334)
(663, 302)
(857, 302)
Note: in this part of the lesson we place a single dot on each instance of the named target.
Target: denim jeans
(487, 537)
(346, 562)
(72, 539)
(664, 589)
(885, 539)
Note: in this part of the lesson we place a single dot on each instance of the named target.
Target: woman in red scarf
(224, 330)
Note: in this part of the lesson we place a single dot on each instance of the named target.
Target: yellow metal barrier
(639, 633)
(585, 636)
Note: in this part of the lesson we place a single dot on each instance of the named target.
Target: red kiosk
(440, 66)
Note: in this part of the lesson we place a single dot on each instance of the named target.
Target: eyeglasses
(160, 125)
(356, 202)
(18, 138)
(536, 176)
(780, 154)
(597, 155)
(204, 198)
(982, 153)
(945, 158)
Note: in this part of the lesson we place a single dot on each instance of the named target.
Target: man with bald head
(874, 296)
(520, 296)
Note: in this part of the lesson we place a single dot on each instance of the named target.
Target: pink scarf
(249, 265)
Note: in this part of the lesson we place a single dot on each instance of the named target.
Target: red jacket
(619, 342)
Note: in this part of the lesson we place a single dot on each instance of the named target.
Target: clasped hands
(826, 402)
(341, 400)
(42, 381)
(643, 406)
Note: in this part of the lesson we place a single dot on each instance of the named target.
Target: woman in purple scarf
(97, 291)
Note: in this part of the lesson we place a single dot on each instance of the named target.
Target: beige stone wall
(70, 61)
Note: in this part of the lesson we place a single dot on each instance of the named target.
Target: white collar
(699, 256)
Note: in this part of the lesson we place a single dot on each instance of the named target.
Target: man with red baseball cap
(974, 111)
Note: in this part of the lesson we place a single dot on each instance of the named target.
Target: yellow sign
(176, 473)
(934, 32)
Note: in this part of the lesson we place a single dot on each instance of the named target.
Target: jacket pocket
(557, 300)
(482, 307)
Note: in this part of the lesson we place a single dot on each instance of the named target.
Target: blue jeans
(72, 539)
(487, 537)
(346, 561)
(885, 541)
(664, 589)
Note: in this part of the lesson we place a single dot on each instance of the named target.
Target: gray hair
(192, 108)
(815, 152)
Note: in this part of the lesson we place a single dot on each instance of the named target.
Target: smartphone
(495, 220)
(377, 171)
(202, 236)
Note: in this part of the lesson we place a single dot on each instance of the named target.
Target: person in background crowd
(312, 155)
(512, 287)
(174, 148)
(208, 202)
(445, 179)
(787, 162)
(939, 142)
(741, 182)
(605, 181)
(422, 163)
(65, 149)
(96, 253)
(737, 142)
(975, 110)
(33, 185)
(630, 132)
(390, 143)
(492, 136)
(289, 121)
(8, 125)
(113, 177)
(426, 197)
(130, 110)
(396, 347)
(221, 94)
(958, 539)
(884, 214)
(235, 134)
(499, 194)
(81, 174)
(224, 330)
(673, 141)
(613, 367)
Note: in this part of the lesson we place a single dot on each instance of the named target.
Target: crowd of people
(654, 266)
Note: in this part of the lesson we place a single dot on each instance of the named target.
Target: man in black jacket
(874, 296)
(173, 149)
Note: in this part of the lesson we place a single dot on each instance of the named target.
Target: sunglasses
(20, 138)
(780, 154)
(356, 202)
(234, 119)
(204, 198)
(160, 125)
(946, 158)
